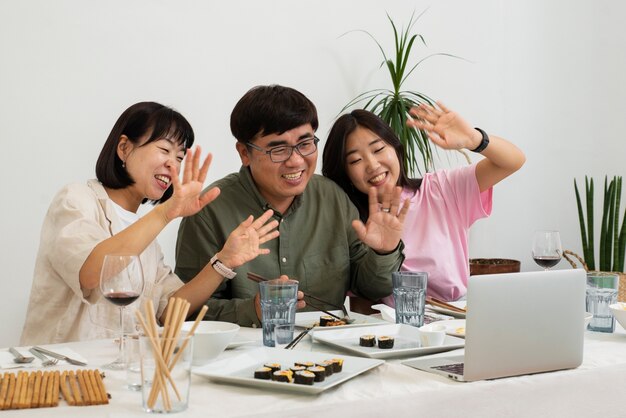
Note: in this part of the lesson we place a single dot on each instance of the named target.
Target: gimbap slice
(283, 376)
(328, 366)
(264, 373)
(274, 366)
(326, 320)
(367, 341)
(385, 342)
(319, 372)
(306, 364)
(304, 377)
(337, 364)
(296, 369)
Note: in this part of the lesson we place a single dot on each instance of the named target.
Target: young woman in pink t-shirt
(362, 152)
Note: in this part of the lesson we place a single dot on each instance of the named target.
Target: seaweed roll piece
(337, 364)
(319, 372)
(274, 366)
(367, 341)
(385, 342)
(296, 369)
(328, 366)
(264, 373)
(326, 320)
(306, 364)
(304, 377)
(283, 376)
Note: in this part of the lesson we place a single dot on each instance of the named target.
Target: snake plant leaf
(583, 230)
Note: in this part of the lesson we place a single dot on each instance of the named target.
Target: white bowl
(210, 339)
(619, 312)
(432, 334)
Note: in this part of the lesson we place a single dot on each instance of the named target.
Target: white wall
(546, 75)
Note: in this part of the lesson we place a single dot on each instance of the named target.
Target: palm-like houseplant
(393, 105)
(612, 235)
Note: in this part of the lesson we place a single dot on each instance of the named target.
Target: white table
(596, 389)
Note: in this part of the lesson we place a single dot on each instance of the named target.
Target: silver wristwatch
(221, 268)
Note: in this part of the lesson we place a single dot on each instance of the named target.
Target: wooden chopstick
(437, 302)
(326, 312)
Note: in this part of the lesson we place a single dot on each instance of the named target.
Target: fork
(45, 361)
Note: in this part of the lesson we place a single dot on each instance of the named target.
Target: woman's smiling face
(370, 161)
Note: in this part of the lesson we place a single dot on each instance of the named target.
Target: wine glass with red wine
(121, 283)
(547, 249)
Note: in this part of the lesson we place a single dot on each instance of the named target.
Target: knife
(59, 356)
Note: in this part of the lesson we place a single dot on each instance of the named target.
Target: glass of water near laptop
(278, 307)
(602, 291)
(121, 283)
(547, 250)
(409, 294)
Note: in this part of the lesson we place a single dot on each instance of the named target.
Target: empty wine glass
(547, 249)
(121, 283)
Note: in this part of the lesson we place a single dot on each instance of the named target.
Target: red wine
(122, 298)
(547, 261)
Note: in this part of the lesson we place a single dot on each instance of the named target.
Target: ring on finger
(386, 210)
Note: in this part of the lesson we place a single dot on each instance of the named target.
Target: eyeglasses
(283, 152)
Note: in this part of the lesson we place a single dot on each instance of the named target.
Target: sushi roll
(337, 364)
(385, 342)
(264, 373)
(326, 321)
(367, 341)
(328, 366)
(319, 372)
(304, 377)
(306, 364)
(297, 369)
(274, 366)
(283, 376)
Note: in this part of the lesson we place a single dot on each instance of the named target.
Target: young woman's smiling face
(370, 161)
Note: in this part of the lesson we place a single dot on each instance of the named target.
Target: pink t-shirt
(437, 225)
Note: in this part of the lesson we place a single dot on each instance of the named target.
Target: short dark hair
(274, 109)
(137, 121)
(334, 156)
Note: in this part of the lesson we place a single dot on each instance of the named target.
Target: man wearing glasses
(318, 245)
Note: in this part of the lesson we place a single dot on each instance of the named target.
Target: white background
(547, 75)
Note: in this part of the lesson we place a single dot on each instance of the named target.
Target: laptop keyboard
(452, 368)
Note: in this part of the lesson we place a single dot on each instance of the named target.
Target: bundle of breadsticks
(164, 346)
(39, 389)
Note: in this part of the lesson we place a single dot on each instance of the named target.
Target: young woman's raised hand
(445, 127)
(188, 197)
(383, 229)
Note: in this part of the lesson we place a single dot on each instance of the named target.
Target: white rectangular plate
(407, 341)
(240, 369)
(310, 319)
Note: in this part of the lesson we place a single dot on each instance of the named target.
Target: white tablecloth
(596, 389)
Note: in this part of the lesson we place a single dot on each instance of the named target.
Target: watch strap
(483, 143)
(221, 269)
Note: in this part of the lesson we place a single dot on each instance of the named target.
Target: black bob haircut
(136, 122)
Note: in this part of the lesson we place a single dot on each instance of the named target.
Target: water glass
(409, 294)
(133, 362)
(278, 306)
(175, 396)
(283, 334)
(601, 292)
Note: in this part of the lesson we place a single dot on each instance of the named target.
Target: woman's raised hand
(445, 127)
(243, 244)
(383, 229)
(187, 198)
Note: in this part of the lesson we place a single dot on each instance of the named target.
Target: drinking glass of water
(409, 294)
(547, 249)
(278, 307)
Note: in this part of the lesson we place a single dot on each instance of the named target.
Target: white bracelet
(221, 268)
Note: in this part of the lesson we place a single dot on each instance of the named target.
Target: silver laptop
(518, 323)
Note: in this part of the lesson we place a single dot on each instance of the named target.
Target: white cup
(432, 335)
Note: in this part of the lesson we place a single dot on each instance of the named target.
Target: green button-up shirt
(317, 246)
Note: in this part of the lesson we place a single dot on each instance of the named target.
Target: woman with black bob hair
(139, 162)
(363, 152)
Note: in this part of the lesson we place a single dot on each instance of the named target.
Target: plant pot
(493, 266)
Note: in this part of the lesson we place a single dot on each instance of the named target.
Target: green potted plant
(612, 241)
(393, 104)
